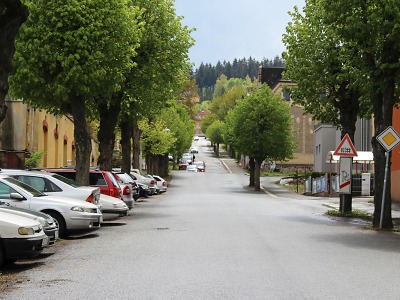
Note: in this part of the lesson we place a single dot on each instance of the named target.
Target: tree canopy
(260, 126)
(68, 54)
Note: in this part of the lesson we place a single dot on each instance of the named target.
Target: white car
(70, 214)
(192, 168)
(112, 208)
(55, 185)
(20, 237)
(194, 150)
(161, 184)
(49, 225)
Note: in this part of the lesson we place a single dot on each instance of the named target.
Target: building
(27, 130)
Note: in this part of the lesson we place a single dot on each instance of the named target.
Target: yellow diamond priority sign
(388, 139)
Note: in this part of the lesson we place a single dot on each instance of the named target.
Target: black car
(144, 190)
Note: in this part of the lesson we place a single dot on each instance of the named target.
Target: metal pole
(384, 189)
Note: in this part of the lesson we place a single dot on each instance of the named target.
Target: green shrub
(33, 160)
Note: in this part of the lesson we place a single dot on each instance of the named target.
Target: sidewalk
(268, 185)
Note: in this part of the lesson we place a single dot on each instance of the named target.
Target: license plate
(56, 235)
(45, 241)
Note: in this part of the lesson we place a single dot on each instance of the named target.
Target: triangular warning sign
(346, 148)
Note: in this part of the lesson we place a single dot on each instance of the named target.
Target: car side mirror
(17, 196)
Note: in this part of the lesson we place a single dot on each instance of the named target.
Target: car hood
(48, 218)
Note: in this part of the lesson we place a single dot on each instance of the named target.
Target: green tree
(162, 65)
(222, 104)
(215, 134)
(371, 30)
(180, 124)
(13, 14)
(207, 121)
(156, 141)
(322, 68)
(70, 54)
(260, 126)
(363, 38)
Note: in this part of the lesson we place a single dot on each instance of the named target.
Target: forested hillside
(206, 75)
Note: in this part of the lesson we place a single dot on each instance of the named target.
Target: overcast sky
(229, 29)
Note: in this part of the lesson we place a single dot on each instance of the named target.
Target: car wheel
(62, 228)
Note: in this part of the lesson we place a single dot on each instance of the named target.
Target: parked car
(129, 188)
(102, 179)
(70, 214)
(150, 182)
(191, 168)
(161, 184)
(183, 165)
(49, 225)
(20, 237)
(112, 208)
(144, 190)
(201, 165)
(55, 184)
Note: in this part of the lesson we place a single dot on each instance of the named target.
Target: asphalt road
(210, 237)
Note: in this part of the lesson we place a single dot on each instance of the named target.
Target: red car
(104, 180)
(201, 165)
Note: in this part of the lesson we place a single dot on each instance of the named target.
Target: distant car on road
(194, 150)
(191, 168)
(201, 165)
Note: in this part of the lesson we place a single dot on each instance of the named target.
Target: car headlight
(82, 209)
(26, 231)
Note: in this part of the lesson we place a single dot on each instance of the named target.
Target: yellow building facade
(26, 130)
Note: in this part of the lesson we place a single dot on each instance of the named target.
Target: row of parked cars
(37, 207)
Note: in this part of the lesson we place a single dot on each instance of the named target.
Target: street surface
(211, 237)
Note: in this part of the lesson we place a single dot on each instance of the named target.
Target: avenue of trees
(344, 55)
(115, 61)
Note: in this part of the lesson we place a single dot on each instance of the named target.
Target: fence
(321, 185)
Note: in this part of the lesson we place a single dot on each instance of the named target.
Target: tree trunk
(348, 119)
(108, 122)
(83, 143)
(383, 119)
(252, 166)
(163, 166)
(126, 145)
(257, 174)
(136, 147)
(217, 149)
(13, 13)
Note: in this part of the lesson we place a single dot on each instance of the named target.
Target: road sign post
(346, 151)
(388, 140)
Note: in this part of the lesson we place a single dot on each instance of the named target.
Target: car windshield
(199, 163)
(125, 177)
(24, 186)
(112, 178)
(66, 180)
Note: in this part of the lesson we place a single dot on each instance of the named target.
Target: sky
(229, 29)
